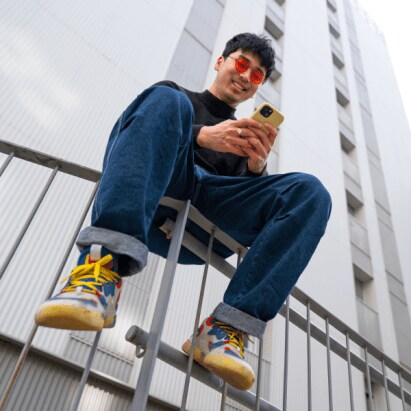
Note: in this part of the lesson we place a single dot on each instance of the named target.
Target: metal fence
(337, 338)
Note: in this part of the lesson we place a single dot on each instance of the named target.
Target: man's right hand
(226, 137)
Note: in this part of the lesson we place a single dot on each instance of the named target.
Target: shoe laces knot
(235, 336)
(91, 277)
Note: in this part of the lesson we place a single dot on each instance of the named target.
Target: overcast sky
(394, 19)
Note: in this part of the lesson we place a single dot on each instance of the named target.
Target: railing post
(147, 368)
(384, 373)
(260, 368)
(86, 372)
(196, 323)
(330, 383)
(368, 377)
(404, 406)
(309, 399)
(287, 332)
(347, 338)
(224, 390)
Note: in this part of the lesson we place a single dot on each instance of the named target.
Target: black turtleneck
(208, 111)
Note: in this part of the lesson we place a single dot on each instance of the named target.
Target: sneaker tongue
(95, 252)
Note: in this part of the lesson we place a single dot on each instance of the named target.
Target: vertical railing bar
(6, 163)
(367, 368)
(309, 357)
(330, 384)
(196, 322)
(287, 331)
(259, 371)
(223, 397)
(147, 368)
(71, 243)
(33, 331)
(404, 406)
(224, 390)
(28, 222)
(347, 338)
(86, 372)
(384, 373)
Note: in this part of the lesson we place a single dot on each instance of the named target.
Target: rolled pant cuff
(119, 243)
(239, 319)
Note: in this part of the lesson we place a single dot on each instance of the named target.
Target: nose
(246, 75)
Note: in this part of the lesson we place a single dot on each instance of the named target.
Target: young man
(174, 142)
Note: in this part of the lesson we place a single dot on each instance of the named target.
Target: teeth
(239, 86)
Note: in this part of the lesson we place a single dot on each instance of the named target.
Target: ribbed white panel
(69, 70)
(20, 186)
(33, 267)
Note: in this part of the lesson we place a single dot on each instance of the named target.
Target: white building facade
(68, 70)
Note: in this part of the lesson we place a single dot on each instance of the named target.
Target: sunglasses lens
(241, 65)
(257, 77)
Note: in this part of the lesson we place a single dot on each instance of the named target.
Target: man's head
(246, 62)
(260, 46)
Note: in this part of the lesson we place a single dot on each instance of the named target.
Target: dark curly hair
(259, 45)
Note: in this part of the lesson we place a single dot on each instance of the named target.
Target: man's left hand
(260, 148)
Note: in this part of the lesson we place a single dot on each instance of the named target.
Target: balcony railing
(311, 318)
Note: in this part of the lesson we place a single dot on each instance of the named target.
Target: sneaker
(219, 348)
(90, 297)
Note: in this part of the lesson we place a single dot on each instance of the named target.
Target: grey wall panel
(204, 20)
(389, 249)
(380, 192)
(191, 58)
(402, 329)
(190, 64)
(369, 132)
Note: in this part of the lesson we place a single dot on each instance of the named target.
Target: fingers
(259, 128)
(248, 122)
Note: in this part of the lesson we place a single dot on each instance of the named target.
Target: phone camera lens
(266, 111)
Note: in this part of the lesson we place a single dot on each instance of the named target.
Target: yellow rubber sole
(227, 369)
(198, 357)
(72, 318)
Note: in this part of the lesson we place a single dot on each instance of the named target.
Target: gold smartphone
(266, 113)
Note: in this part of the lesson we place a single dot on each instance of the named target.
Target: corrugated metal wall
(46, 385)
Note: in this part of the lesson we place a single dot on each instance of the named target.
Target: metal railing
(333, 334)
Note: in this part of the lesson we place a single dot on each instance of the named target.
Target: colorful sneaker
(90, 297)
(219, 348)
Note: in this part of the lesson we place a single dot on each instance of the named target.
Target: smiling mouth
(239, 86)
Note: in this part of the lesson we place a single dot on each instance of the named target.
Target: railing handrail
(89, 174)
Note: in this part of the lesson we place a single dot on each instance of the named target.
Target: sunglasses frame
(240, 62)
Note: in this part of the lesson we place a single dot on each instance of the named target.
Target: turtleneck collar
(215, 106)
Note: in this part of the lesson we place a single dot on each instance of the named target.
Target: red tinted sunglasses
(242, 65)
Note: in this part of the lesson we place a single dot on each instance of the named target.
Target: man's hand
(228, 136)
(260, 148)
(245, 138)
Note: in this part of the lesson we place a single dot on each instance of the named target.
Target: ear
(218, 63)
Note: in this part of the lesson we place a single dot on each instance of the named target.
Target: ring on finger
(239, 131)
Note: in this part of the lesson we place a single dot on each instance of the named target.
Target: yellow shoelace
(82, 275)
(236, 336)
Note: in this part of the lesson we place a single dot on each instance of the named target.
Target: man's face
(232, 86)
